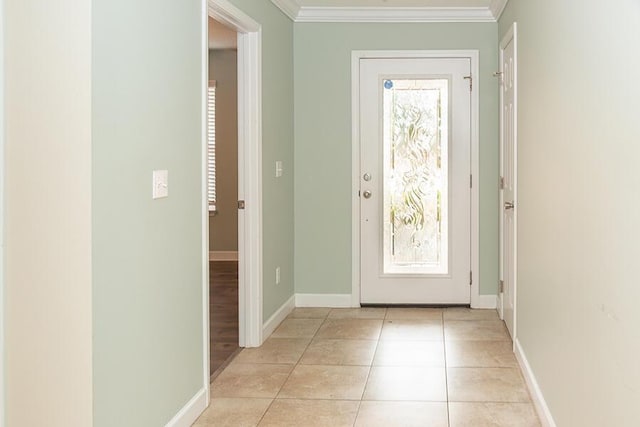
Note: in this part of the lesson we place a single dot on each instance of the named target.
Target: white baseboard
(270, 325)
(536, 394)
(191, 411)
(223, 256)
(484, 302)
(324, 300)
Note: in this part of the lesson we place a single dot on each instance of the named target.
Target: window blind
(211, 145)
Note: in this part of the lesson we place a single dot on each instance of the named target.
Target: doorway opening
(222, 193)
(249, 178)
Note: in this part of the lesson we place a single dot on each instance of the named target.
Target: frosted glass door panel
(416, 176)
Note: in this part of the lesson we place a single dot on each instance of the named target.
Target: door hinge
(502, 182)
(470, 278)
(240, 204)
(470, 78)
(501, 287)
(470, 181)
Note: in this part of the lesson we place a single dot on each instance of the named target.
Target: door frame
(477, 300)
(250, 250)
(511, 34)
(2, 169)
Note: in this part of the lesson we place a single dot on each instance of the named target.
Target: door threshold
(416, 305)
(226, 363)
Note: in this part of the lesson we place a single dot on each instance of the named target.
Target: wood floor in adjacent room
(223, 312)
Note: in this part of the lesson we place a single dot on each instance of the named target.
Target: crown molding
(290, 8)
(227, 13)
(497, 7)
(395, 14)
(391, 14)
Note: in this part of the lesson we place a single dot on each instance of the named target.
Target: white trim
(249, 167)
(192, 410)
(546, 419)
(223, 255)
(325, 300)
(394, 14)
(497, 7)
(250, 184)
(516, 200)
(204, 209)
(2, 169)
(477, 301)
(485, 302)
(476, 298)
(355, 178)
(296, 13)
(228, 14)
(277, 317)
(511, 34)
(289, 7)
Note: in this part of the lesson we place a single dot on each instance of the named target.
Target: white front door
(508, 131)
(415, 204)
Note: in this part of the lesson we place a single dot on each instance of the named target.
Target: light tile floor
(372, 367)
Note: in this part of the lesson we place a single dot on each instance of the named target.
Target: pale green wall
(579, 205)
(147, 254)
(323, 141)
(223, 227)
(277, 144)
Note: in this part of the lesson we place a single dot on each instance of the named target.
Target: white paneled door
(508, 153)
(415, 180)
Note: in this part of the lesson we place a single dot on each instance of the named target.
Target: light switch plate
(160, 184)
(278, 168)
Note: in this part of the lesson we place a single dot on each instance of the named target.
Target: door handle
(508, 205)
(367, 194)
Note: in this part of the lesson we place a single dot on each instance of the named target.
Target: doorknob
(508, 205)
(367, 194)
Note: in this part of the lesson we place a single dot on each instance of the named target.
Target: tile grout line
(366, 381)
(446, 371)
(292, 369)
(265, 412)
(355, 419)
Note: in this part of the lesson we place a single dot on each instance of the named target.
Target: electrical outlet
(277, 275)
(278, 168)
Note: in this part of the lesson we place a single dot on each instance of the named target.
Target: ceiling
(221, 37)
(392, 10)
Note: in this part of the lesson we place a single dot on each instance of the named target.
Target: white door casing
(2, 169)
(508, 177)
(359, 154)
